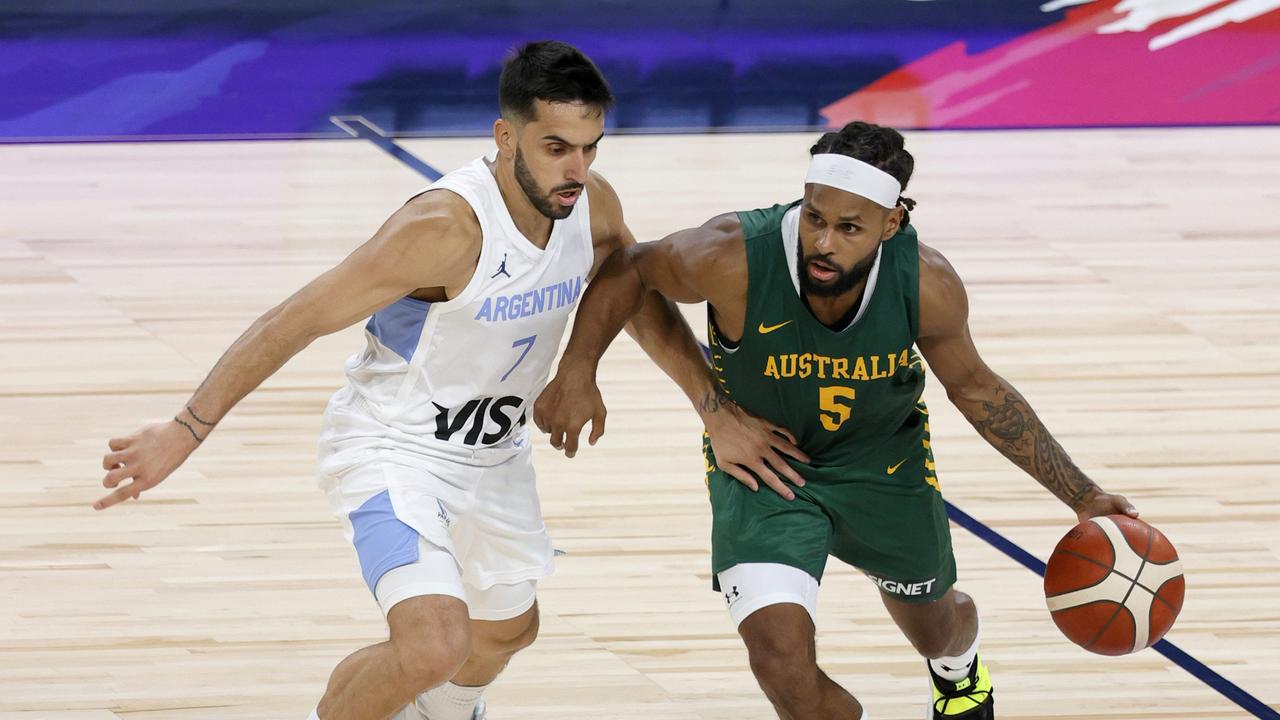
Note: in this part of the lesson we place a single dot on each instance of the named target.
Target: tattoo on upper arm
(1011, 426)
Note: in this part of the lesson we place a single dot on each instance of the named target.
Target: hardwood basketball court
(1125, 281)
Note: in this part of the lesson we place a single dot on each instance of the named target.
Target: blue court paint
(1224, 686)
(358, 126)
(382, 541)
(995, 539)
(399, 325)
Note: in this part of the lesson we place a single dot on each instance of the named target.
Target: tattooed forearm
(714, 400)
(1005, 420)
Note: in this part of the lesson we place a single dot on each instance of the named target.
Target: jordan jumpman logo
(502, 269)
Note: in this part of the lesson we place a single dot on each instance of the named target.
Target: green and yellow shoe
(969, 698)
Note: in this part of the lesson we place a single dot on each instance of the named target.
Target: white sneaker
(481, 712)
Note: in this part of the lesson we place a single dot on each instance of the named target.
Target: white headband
(845, 173)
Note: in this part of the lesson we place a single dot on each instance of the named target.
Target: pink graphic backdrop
(1070, 74)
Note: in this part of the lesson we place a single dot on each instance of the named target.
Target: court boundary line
(1173, 653)
(358, 126)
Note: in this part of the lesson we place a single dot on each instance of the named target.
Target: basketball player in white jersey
(425, 454)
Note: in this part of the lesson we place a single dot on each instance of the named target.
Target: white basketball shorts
(427, 524)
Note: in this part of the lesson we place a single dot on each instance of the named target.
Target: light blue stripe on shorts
(383, 542)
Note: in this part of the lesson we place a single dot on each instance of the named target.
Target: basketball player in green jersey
(816, 308)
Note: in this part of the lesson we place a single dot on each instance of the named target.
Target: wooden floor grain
(1125, 281)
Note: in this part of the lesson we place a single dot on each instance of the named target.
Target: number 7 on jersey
(527, 342)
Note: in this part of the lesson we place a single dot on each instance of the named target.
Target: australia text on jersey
(866, 367)
(501, 308)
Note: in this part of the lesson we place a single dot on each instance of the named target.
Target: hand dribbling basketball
(1114, 585)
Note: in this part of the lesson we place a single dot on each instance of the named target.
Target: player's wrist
(712, 405)
(197, 426)
(578, 366)
(1084, 497)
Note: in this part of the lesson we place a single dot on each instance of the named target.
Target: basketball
(1114, 585)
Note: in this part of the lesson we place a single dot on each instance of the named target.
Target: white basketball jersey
(462, 374)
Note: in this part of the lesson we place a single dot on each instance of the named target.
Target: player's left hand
(1099, 503)
(565, 406)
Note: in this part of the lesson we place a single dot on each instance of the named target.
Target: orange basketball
(1114, 585)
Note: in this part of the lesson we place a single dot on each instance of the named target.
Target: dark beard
(541, 201)
(844, 282)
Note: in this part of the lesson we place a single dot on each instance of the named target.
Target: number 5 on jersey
(834, 414)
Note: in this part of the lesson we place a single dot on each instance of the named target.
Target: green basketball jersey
(852, 396)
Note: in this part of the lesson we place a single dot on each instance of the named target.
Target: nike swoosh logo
(766, 330)
(894, 469)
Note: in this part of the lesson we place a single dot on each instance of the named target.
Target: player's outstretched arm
(632, 289)
(655, 324)
(614, 296)
(427, 243)
(993, 406)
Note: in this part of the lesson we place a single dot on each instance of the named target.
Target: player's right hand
(1099, 503)
(747, 447)
(565, 406)
(144, 458)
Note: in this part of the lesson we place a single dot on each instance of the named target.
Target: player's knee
(779, 640)
(775, 676)
(507, 638)
(781, 663)
(789, 683)
(431, 658)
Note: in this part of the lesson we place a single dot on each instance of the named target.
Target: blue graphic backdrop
(73, 70)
